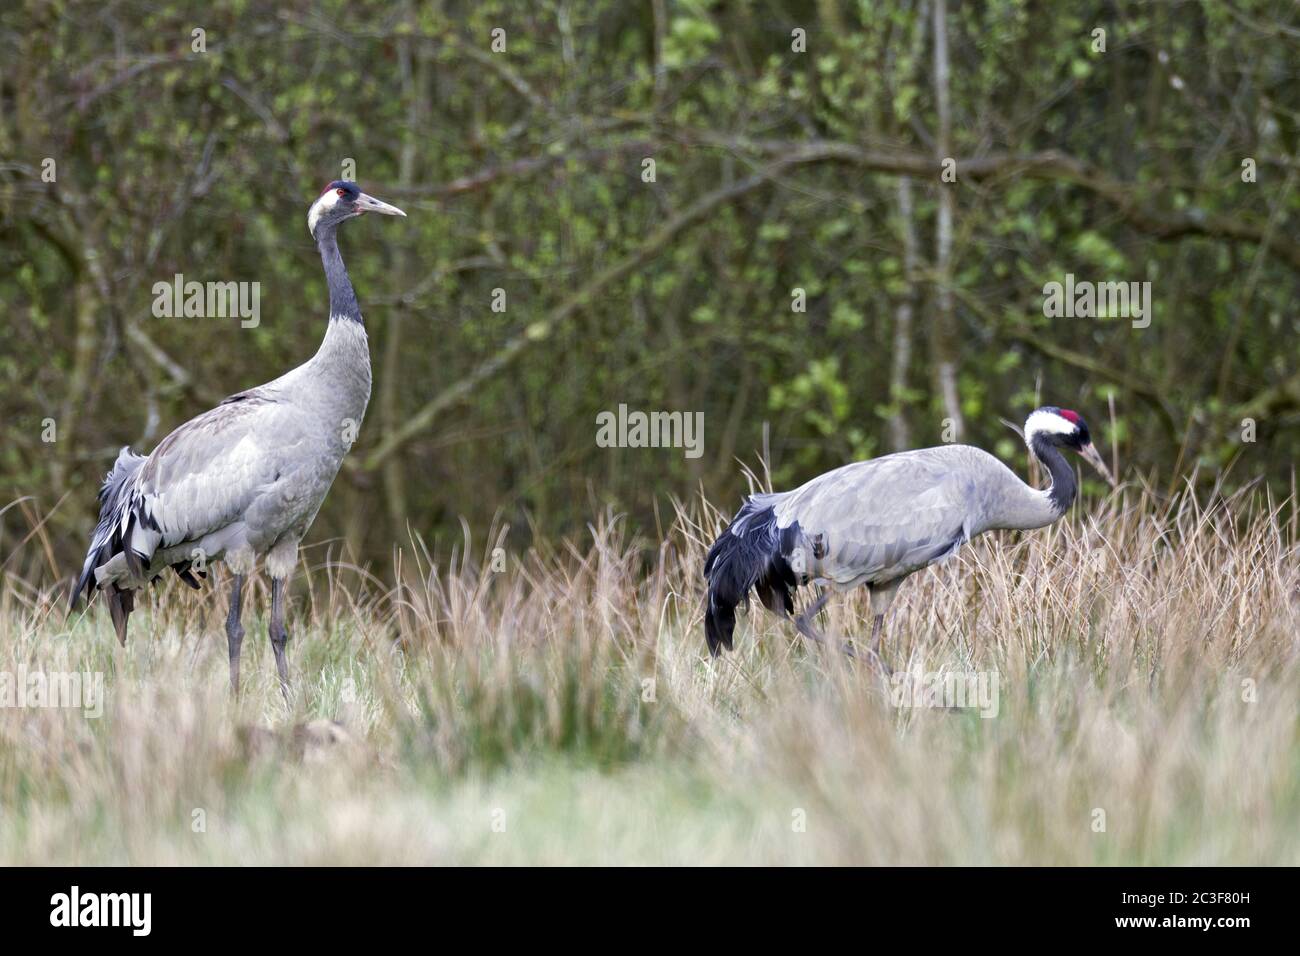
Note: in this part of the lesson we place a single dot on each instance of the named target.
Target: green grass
(467, 718)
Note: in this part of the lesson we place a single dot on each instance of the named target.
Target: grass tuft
(563, 710)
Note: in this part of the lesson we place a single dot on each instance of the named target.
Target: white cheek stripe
(326, 201)
(1048, 422)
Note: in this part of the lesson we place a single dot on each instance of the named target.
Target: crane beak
(1093, 457)
(366, 203)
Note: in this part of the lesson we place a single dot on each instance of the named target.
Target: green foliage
(171, 161)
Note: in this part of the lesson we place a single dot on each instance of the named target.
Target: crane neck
(343, 300)
(1060, 494)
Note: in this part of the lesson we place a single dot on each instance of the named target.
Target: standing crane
(243, 481)
(875, 522)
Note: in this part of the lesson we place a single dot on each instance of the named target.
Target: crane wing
(205, 474)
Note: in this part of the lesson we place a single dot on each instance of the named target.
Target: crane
(243, 481)
(875, 522)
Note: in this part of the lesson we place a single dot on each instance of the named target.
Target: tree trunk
(944, 342)
(412, 62)
(899, 430)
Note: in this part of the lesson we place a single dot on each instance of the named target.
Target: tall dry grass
(564, 710)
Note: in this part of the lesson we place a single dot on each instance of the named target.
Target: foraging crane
(243, 481)
(875, 522)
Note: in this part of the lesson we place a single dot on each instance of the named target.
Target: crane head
(343, 200)
(1066, 429)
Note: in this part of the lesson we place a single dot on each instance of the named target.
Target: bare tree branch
(1051, 165)
(423, 419)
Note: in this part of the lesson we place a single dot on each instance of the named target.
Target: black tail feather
(106, 540)
(120, 605)
(112, 536)
(183, 571)
(752, 554)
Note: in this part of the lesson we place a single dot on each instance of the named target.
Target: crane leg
(804, 622)
(877, 629)
(279, 636)
(235, 630)
(882, 596)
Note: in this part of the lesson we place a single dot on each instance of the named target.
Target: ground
(565, 711)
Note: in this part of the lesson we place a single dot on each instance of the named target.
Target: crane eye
(341, 192)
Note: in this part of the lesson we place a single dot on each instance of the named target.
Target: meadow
(564, 710)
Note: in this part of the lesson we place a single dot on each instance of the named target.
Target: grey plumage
(876, 522)
(242, 481)
(106, 539)
(243, 478)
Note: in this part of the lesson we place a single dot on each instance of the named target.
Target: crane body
(243, 481)
(875, 522)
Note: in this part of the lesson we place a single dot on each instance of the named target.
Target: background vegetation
(560, 708)
(523, 170)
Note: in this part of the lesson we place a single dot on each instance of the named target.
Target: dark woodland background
(522, 170)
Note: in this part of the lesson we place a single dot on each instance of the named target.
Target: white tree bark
(945, 338)
(899, 430)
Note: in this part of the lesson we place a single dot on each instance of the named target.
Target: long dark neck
(1061, 493)
(343, 301)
